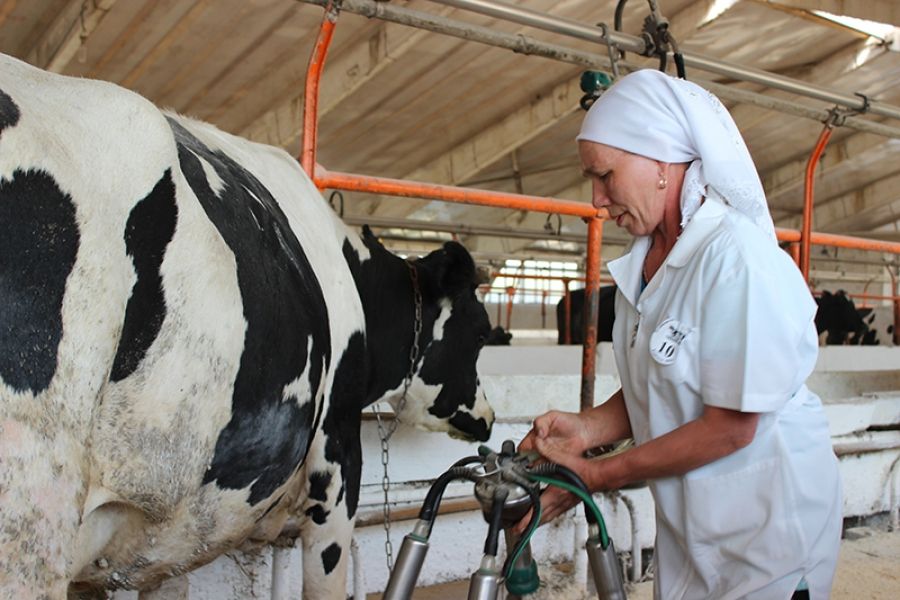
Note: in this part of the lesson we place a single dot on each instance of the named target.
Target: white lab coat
(727, 321)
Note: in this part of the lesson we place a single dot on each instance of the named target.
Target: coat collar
(626, 270)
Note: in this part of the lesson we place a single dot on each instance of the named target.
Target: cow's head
(444, 393)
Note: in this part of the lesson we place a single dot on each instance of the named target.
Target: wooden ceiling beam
(881, 11)
(61, 41)
(348, 71)
(465, 161)
(845, 166)
(867, 208)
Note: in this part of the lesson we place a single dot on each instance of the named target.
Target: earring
(662, 182)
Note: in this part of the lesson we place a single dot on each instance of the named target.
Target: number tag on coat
(666, 341)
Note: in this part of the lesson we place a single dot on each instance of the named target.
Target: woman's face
(626, 185)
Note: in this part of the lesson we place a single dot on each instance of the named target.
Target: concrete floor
(868, 569)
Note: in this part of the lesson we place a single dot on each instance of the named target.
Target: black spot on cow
(330, 557)
(9, 112)
(342, 421)
(148, 231)
(318, 486)
(466, 422)
(606, 316)
(287, 320)
(318, 514)
(39, 241)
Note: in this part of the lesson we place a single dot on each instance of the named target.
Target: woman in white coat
(714, 340)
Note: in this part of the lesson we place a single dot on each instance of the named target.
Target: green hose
(527, 535)
(586, 498)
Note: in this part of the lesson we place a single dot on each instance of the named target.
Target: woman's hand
(562, 438)
(563, 430)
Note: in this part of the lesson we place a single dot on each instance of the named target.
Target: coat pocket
(741, 527)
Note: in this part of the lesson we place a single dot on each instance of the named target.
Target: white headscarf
(675, 121)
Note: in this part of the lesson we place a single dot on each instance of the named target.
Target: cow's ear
(449, 270)
(370, 239)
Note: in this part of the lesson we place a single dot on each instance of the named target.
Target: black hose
(617, 20)
(679, 65)
(433, 498)
(572, 477)
(495, 524)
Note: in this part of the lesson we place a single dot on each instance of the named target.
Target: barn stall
(403, 102)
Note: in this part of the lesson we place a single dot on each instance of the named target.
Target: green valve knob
(523, 581)
(592, 81)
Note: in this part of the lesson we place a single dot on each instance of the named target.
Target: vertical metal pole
(590, 312)
(794, 251)
(808, 198)
(311, 90)
(510, 292)
(567, 332)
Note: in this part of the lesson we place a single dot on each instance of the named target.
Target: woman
(714, 339)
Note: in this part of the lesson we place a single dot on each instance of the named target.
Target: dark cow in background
(606, 316)
(839, 322)
(188, 335)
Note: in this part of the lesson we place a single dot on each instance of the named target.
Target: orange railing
(594, 217)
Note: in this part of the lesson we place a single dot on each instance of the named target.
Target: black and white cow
(605, 317)
(879, 329)
(187, 337)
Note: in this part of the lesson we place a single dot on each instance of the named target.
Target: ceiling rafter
(345, 74)
(844, 167)
(869, 207)
(465, 161)
(67, 33)
(881, 11)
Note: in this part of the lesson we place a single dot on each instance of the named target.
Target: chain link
(385, 432)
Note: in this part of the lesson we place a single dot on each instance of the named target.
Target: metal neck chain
(385, 432)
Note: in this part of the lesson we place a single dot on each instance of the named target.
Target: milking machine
(507, 485)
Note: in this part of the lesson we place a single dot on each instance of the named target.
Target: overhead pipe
(808, 183)
(631, 43)
(522, 44)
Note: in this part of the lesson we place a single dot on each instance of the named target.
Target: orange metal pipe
(311, 89)
(398, 187)
(591, 308)
(794, 251)
(839, 241)
(549, 277)
(808, 198)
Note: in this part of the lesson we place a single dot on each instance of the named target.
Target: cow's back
(179, 291)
